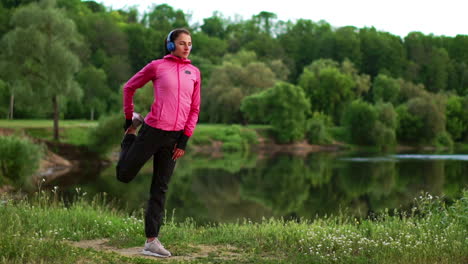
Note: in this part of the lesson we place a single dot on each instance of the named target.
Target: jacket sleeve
(145, 75)
(192, 118)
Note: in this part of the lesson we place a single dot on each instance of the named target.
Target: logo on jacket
(187, 72)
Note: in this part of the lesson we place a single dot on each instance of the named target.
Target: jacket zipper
(178, 96)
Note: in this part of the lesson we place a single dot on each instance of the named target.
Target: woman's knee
(124, 175)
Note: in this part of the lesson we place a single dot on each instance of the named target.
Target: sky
(399, 17)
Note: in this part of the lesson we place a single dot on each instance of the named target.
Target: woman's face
(183, 45)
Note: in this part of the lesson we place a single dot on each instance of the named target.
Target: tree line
(70, 58)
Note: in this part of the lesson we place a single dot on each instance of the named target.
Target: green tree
(382, 52)
(164, 18)
(328, 88)
(304, 42)
(284, 106)
(144, 45)
(437, 70)
(347, 45)
(420, 121)
(265, 21)
(385, 89)
(49, 63)
(410, 90)
(458, 77)
(385, 129)
(457, 117)
(360, 119)
(94, 84)
(367, 124)
(214, 26)
(257, 35)
(5, 14)
(109, 46)
(363, 82)
(239, 75)
(429, 61)
(4, 98)
(211, 48)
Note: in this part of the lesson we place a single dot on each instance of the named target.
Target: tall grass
(32, 231)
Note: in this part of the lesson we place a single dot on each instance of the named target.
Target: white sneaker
(156, 249)
(137, 120)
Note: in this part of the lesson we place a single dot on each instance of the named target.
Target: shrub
(360, 120)
(107, 133)
(457, 117)
(385, 89)
(367, 124)
(284, 106)
(384, 137)
(420, 121)
(317, 131)
(444, 140)
(19, 159)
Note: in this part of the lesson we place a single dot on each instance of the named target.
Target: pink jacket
(176, 102)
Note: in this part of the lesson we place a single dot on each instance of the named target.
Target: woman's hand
(177, 153)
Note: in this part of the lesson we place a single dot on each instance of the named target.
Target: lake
(241, 186)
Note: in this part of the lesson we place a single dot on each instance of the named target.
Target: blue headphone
(170, 45)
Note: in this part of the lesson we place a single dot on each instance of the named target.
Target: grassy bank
(34, 231)
(77, 132)
(71, 131)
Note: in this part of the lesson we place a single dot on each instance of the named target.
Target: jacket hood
(177, 59)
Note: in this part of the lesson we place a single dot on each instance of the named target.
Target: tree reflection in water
(244, 186)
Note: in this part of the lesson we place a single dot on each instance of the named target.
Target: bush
(284, 106)
(387, 115)
(384, 137)
(317, 129)
(360, 120)
(457, 117)
(444, 140)
(385, 89)
(107, 134)
(367, 124)
(420, 121)
(19, 159)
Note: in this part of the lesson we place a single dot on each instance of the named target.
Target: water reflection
(239, 186)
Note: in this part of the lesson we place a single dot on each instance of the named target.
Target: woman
(166, 129)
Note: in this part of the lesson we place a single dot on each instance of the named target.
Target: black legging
(136, 150)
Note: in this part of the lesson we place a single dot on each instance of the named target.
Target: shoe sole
(137, 120)
(137, 124)
(149, 253)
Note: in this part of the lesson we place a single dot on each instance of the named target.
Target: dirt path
(226, 252)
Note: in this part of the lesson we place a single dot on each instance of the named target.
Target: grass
(33, 231)
(71, 131)
(233, 137)
(42, 123)
(76, 132)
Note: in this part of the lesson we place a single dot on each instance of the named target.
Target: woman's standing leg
(162, 172)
